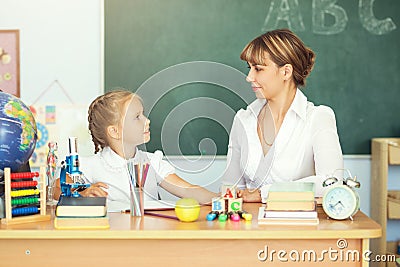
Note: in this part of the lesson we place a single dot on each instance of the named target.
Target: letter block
(235, 205)
(228, 191)
(218, 204)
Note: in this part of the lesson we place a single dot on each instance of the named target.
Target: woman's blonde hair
(106, 110)
(283, 47)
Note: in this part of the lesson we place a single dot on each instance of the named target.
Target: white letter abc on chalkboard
(288, 10)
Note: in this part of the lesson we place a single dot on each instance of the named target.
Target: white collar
(299, 105)
(116, 160)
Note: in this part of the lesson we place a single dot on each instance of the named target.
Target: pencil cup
(137, 205)
(138, 173)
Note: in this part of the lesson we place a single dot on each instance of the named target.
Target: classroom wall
(60, 61)
(59, 40)
(62, 40)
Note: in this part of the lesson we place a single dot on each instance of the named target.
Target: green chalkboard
(182, 57)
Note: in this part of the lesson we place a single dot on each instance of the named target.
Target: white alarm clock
(340, 200)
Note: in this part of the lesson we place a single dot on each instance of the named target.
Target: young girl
(117, 126)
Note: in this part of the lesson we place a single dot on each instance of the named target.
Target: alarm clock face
(340, 202)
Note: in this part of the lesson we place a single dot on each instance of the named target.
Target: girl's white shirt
(306, 148)
(110, 168)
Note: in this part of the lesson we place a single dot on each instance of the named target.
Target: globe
(18, 132)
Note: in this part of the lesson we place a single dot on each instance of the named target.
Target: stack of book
(290, 203)
(81, 213)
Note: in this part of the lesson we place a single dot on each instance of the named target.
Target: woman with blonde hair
(281, 136)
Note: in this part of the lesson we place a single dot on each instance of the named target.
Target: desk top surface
(123, 226)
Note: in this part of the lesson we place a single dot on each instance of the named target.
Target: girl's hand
(95, 190)
(249, 195)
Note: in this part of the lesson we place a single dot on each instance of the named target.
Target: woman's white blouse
(110, 168)
(306, 147)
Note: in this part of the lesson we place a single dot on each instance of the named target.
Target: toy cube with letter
(227, 201)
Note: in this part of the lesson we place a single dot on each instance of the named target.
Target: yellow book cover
(81, 223)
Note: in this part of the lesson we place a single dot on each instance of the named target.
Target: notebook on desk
(159, 204)
(153, 205)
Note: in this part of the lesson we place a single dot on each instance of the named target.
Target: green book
(291, 191)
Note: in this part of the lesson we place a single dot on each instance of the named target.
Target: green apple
(187, 209)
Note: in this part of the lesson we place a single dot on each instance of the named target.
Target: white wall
(59, 40)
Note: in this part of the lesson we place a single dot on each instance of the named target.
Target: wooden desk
(153, 241)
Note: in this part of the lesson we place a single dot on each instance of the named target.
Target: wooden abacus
(21, 202)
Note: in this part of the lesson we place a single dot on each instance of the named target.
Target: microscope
(70, 167)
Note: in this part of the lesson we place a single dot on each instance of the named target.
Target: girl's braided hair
(104, 111)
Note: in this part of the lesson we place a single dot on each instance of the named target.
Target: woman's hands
(249, 195)
(95, 190)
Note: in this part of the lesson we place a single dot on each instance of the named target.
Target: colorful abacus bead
(24, 184)
(26, 192)
(24, 201)
(24, 175)
(24, 211)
